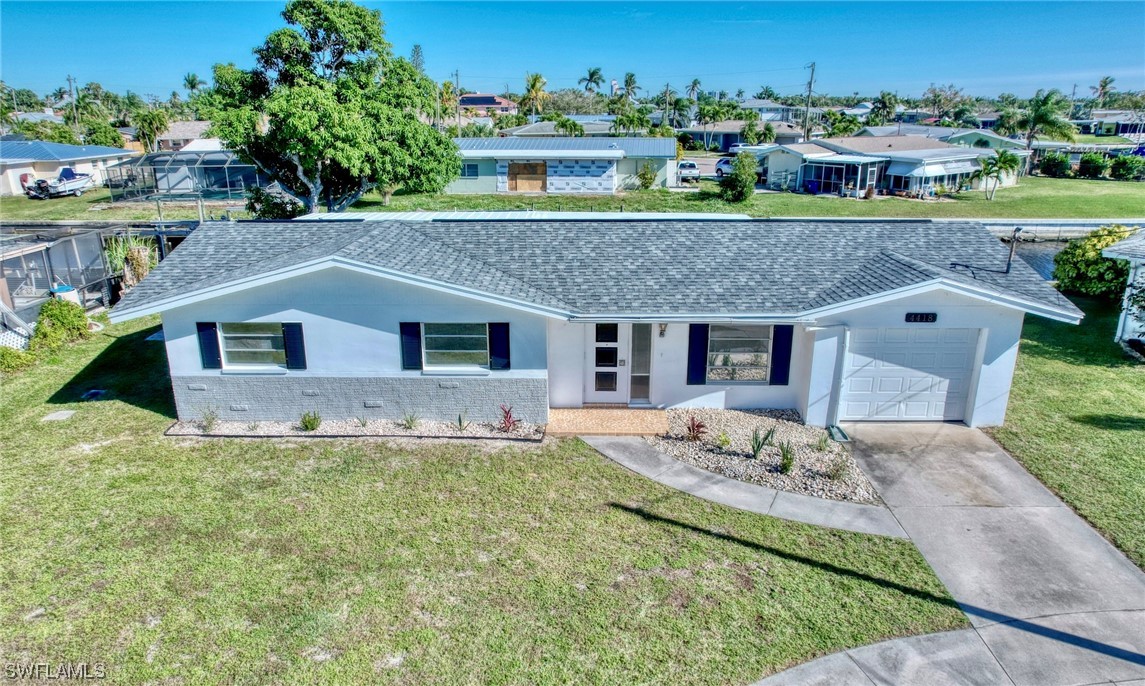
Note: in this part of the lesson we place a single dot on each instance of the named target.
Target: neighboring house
(44, 160)
(769, 110)
(131, 140)
(917, 163)
(549, 128)
(1132, 322)
(1126, 123)
(895, 321)
(205, 173)
(813, 168)
(180, 133)
(561, 165)
(909, 116)
(486, 103)
(725, 134)
(970, 138)
(46, 115)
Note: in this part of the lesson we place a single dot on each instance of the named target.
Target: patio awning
(932, 169)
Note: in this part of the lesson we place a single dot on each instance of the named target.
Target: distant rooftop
(43, 151)
(618, 146)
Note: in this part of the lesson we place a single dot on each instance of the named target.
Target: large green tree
(102, 133)
(330, 114)
(1043, 117)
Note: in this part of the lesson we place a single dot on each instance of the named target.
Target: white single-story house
(969, 138)
(1132, 321)
(725, 134)
(561, 164)
(812, 168)
(44, 160)
(841, 321)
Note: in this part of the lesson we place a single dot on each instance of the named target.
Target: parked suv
(724, 166)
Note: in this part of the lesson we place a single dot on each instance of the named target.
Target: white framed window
(469, 170)
(252, 344)
(455, 346)
(738, 353)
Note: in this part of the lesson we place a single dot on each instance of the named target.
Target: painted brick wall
(285, 398)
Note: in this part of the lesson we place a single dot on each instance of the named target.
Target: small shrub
(757, 444)
(1128, 168)
(253, 426)
(60, 322)
(646, 176)
(769, 437)
(13, 360)
(208, 418)
(508, 422)
(462, 423)
(739, 185)
(310, 421)
(409, 421)
(1055, 164)
(837, 469)
(786, 457)
(1081, 268)
(363, 422)
(1093, 165)
(694, 430)
(823, 444)
(263, 204)
(723, 441)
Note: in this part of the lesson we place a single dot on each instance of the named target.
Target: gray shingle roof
(1131, 248)
(632, 146)
(620, 267)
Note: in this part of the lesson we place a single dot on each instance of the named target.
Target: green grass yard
(294, 561)
(1035, 197)
(1090, 139)
(1077, 421)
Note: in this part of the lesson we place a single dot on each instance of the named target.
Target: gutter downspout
(837, 390)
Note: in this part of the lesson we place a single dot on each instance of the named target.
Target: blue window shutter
(499, 345)
(781, 354)
(411, 345)
(209, 345)
(697, 354)
(295, 346)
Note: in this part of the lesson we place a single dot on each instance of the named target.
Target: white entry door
(917, 374)
(606, 380)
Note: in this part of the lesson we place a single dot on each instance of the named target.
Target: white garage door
(916, 374)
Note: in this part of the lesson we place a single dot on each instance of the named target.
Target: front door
(607, 363)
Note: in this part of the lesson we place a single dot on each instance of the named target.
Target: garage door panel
(908, 374)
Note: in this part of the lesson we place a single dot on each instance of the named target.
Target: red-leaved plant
(508, 422)
(695, 429)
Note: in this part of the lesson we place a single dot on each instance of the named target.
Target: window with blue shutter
(411, 344)
(209, 351)
(781, 338)
(697, 354)
(499, 345)
(294, 344)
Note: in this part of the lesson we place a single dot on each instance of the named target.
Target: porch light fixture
(663, 330)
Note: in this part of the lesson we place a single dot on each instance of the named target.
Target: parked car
(687, 170)
(724, 166)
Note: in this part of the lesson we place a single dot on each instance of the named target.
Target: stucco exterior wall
(485, 182)
(350, 324)
(627, 169)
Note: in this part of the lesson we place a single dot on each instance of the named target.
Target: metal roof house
(841, 321)
(601, 166)
(45, 160)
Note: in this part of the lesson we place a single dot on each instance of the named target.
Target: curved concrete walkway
(645, 460)
(1050, 602)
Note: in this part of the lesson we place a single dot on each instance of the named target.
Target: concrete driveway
(1052, 600)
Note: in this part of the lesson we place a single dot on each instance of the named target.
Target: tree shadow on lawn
(1112, 422)
(132, 370)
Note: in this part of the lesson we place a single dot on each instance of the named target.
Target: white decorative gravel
(353, 427)
(810, 475)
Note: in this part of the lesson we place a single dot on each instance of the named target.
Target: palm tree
(568, 127)
(1102, 90)
(708, 113)
(739, 94)
(768, 134)
(748, 133)
(535, 95)
(192, 82)
(630, 88)
(1044, 116)
(680, 113)
(694, 89)
(149, 125)
(593, 81)
(993, 168)
(884, 106)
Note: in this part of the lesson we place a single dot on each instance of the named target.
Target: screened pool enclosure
(212, 174)
(36, 265)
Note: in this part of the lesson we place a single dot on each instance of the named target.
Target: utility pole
(72, 90)
(664, 112)
(1072, 96)
(807, 112)
(457, 87)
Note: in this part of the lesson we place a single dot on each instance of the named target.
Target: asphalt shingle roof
(619, 267)
(1131, 248)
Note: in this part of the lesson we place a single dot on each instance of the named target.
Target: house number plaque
(921, 317)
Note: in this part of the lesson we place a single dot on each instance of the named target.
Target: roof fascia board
(543, 154)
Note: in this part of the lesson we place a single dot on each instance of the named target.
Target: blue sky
(984, 47)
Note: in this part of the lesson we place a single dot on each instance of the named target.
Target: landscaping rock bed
(830, 473)
(353, 427)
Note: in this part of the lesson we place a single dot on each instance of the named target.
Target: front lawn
(1034, 197)
(298, 561)
(96, 205)
(1077, 421)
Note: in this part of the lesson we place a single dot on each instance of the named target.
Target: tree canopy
(330, 114)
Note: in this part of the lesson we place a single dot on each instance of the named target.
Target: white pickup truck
(686, 170)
